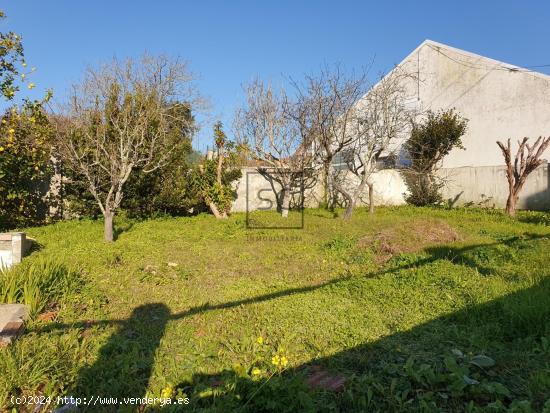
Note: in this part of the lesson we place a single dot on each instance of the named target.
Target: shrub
(24, 165)
(212, 180)
(430, 141)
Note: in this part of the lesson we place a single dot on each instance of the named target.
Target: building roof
(492, 64)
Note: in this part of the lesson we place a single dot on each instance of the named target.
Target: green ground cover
(417, 309)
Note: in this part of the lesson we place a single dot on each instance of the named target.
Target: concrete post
(18, 240)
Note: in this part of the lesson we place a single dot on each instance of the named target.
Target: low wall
(388, 190)
(13, 247)
(261, 192)
(482, 185)
(488, 186)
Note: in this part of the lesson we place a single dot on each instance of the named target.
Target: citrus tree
(25, 134)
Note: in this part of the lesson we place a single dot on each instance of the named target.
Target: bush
(24, 165)
(424, 189)
(430, 141)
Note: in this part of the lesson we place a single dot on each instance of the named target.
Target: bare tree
(527, 159)
(119, 119)
(377, 120)
(273, 136)
(325, 108)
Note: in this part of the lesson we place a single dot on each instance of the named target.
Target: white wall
(482, 186)
(388, 190)
(488, 186)
(499, 103)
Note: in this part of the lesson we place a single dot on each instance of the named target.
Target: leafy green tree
(430, 141)
(24, 165)
(212, 179)
(11, 62)
(25, 142)
(165, 190)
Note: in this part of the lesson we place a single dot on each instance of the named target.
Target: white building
(500, 100)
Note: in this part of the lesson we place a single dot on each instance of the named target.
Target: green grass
(175, 307)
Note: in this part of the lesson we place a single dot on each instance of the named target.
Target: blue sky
(229, 43)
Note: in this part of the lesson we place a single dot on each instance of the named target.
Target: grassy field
(412, 309)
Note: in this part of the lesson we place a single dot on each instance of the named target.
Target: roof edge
(511, 67)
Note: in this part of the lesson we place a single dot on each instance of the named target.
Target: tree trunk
(216, 211)
(349, 198)
(286, 203)
(108, 229)
(349, 209)
(511, 203)
(371, 198)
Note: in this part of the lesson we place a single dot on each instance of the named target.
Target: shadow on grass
(410, 370)
(504, 326)
(125, 361)
(539, 218)
(121, 228)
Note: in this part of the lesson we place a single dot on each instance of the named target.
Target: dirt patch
(319, 379)
(408, 237)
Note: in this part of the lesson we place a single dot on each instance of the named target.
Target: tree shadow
(409, 370)
(538, 218)
(125, 362)
(121, 228)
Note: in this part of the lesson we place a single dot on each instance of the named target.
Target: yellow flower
(275, 360)
(256, 371)
(167, 392)
(22, 76)
(260, 340)
(24, 64)
(284, 361)
(239, 369)
(1, 149)
(11, 131)
(31, 85)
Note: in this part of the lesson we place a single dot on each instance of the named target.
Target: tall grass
(38, 284)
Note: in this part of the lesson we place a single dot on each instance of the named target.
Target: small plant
(212, 179)
(40, 284)
(339, 244)
(265, 381)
